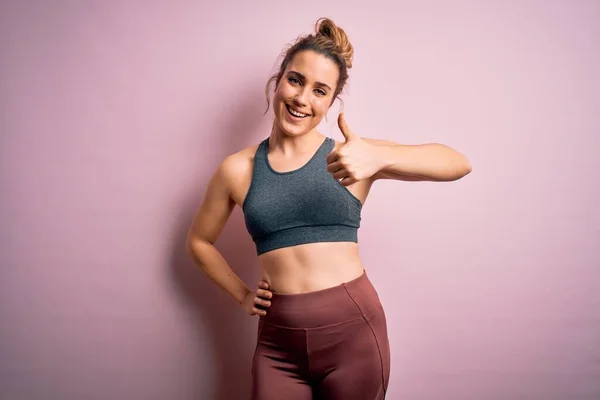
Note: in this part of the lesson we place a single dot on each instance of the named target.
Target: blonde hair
(328, 40)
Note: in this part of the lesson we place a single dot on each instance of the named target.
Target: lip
(291, 117)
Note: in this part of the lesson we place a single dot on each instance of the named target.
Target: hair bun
(328, 28)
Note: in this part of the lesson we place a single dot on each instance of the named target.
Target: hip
(348, 301)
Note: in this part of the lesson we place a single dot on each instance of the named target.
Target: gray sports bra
(306, 205)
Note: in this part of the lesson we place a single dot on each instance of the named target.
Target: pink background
(114, 114)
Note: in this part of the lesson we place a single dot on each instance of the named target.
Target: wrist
(246, 292)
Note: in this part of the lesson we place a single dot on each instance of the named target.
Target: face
(304, 93)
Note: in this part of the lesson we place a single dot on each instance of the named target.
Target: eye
(292, 79)
(321, 92)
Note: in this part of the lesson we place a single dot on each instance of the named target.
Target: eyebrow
(303, 77)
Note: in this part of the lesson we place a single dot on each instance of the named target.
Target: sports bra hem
(306, 234)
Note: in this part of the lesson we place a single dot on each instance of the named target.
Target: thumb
(348, 134)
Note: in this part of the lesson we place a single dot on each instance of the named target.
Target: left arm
(423, 162)
(362, 158)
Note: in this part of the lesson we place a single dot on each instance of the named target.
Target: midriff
(309, 267)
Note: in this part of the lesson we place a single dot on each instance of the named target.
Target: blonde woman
(322, 330)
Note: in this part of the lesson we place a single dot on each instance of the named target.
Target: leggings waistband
(347, 301)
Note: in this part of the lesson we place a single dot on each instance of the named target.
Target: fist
(257, 301)
(354, 160)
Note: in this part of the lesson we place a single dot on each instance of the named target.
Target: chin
(293, 130)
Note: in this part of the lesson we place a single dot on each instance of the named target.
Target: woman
(325, 332)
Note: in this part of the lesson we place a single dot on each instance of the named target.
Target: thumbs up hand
(348, 134)
(355, 160)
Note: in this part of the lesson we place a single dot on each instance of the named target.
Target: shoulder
(240, 161)
(237, 167)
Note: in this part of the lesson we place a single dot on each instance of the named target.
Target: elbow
(192, 247)
(463, 166)
(456, 164)
(194, 252)
(466, 167)
(196, 248)
(462, 169)
(189, 247)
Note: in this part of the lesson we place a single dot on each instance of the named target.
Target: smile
(295, 113)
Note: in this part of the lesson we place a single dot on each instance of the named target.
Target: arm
(206, 228)
(362, 158)
(424, 162)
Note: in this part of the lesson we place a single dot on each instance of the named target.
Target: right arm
(206, 228)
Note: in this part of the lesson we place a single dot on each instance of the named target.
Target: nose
(300, 98)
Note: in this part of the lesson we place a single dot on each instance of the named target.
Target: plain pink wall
(114, 114)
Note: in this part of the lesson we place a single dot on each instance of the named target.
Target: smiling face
(304, 93)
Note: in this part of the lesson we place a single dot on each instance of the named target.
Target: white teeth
(296, 113)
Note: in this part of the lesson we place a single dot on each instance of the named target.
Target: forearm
(434, 161)
(210, 260)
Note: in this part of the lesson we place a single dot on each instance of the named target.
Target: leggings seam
(376, 341)
(310, 375)
(380, 356)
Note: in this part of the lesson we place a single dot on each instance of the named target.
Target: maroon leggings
(329, 344)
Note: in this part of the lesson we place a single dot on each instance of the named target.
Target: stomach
(310, 267)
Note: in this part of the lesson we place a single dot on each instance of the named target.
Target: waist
(353, 299)
(310, 267)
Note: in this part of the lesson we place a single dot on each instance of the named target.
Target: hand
(255, 301)
(355, 160)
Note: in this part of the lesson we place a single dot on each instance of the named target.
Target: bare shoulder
(236, 170)
(239, 162)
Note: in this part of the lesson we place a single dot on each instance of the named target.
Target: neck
(289, 144)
